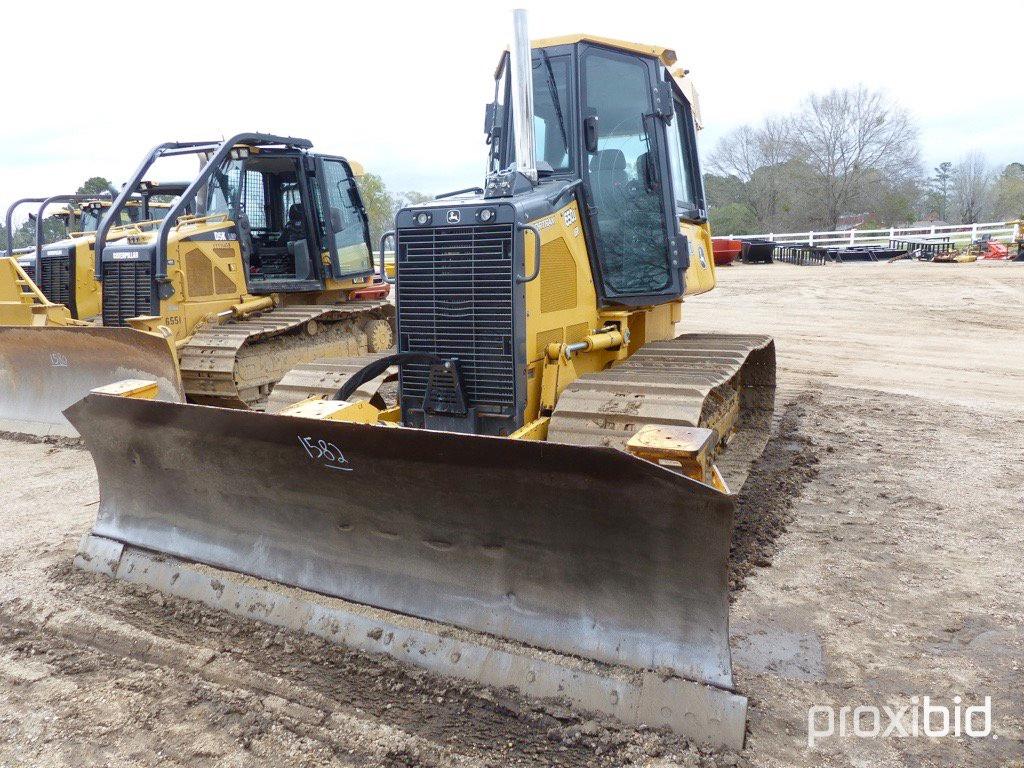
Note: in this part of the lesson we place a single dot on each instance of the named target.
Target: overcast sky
(401, 87)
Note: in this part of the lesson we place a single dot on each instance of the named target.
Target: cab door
(640, 256)
(342, 219)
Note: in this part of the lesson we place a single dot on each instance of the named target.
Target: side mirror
(590, 133)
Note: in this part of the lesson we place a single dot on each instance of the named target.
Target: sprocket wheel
(379, 335)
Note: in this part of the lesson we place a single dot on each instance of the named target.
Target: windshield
(553, 134)
(157, 211)
(550, 110)
(224, 188)
(90, 220)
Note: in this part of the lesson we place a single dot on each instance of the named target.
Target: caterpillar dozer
(275, 270)
(23, 302)
(560, 467)
(64, 270)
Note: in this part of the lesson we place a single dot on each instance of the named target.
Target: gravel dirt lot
(878, 556)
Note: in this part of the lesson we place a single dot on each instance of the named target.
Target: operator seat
(609, 183)
(608, 177)
(244, 228)
(295, 229)
(297, 243)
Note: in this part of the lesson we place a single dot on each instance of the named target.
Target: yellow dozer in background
(27, 257)
(275, 271)
(66, 272)
(63, 272)
(551, 498)
(66, 269)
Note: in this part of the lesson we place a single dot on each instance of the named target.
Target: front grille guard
(127, 291)
(455, 300)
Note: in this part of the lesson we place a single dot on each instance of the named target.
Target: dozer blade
(585, 551)
(43, 370)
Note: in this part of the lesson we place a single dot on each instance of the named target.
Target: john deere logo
(454, 217)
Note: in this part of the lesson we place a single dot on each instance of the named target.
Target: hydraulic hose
(377, 367)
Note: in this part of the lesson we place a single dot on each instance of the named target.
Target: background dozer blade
(43, 370)
(581, 550)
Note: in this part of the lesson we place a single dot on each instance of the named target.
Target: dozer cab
(560, 465)
(276, 270)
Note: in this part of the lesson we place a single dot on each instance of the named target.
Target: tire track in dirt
(257, 681)
(764, 507)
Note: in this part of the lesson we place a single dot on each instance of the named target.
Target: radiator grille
(455, 300)
(55, 278)
(29, 268)
(127, 291)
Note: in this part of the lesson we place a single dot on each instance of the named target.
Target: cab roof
(666, 55)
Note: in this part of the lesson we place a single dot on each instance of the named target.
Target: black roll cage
(221, 150)
(10, 216)
(44, 203)
(39, 218)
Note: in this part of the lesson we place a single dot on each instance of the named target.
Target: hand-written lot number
(325, 452)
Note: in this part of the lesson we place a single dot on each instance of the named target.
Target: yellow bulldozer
(63, 271)
(65, 288)
(551, 494)
(272, 270)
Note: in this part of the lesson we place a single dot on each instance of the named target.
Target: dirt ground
(878, 556)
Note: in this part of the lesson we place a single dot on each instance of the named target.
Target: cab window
(552, 115)
(551, 111)
(623, 176)
(682, 158)
(224, 189)
(254, 202)
(344, 219)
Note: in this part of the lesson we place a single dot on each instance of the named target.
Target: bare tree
(850, 138)
(973, 179)
(756, 157)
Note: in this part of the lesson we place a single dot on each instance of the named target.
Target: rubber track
(688, 381)
(220, 366)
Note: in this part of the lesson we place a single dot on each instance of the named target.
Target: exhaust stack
(522, 98)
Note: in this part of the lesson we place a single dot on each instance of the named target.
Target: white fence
(1006, 231)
